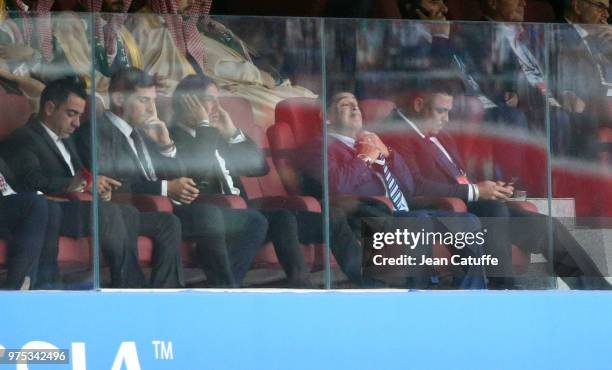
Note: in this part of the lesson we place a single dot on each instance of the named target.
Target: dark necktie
(143, 158)
(395, 194)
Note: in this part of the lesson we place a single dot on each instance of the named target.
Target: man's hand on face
(156, 129)
(489, 190)
(162, 84)
(183, 190)
(222, 121)
(572, 102)
(373, 139)
(196, 113)
(511, 99)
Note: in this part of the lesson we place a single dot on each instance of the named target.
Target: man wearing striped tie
(360, 164)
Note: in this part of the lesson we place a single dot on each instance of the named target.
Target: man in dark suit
(581, 71)
(44, 158)
(215, 154)
(360, 164)
(438, 170)
(134, 146)
(31, 224)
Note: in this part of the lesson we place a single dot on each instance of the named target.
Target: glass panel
(213, 195)
(428, 121)
(580, 140)
(49, 219)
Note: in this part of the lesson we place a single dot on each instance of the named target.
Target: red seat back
(298, 122)
(539, 11)
(374, 110)
(463, 10)
(242, 115)
(15, 113)
(385, 9)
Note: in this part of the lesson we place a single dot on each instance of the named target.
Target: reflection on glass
(189, 155)
(466, 108)
(46, 189)
(211, 139)
(581, 177)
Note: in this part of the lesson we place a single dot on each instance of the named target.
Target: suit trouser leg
(344, 244)
(165, 230)
(113, 233)
(26, 217)
(569, 259)
(246, 231)
(117, 231)
(205, 224)
(283, 231)
(125, 270)
(472, 276)
(494, 218)
(48, 275)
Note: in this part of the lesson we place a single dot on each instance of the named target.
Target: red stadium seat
(539, 11)
(464, 10)
(387, 9)
(374, 110)
(268, 191)
(14, 110)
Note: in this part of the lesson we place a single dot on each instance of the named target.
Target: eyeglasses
(601, 7)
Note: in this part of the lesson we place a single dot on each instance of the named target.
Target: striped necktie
(393, 190)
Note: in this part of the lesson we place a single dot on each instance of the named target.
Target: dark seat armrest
(350, 203)
(446, 203)
(224, 201)
(297, 202)
(145, 203)
(82, 196)
(523, 204)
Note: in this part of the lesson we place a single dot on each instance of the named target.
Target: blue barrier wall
(323, 330)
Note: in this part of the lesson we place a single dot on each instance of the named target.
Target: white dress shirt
(238, 138)
(61, 147)
(5, 188)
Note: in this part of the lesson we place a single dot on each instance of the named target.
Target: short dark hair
(187, 86)
(408, 8)
(57, 91)
(449, 86)
(127, 80)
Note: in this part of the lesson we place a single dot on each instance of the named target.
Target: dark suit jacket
(116, 159)
(572, 66)
(433, 174)
(490, 61)
(198, 158)
(349, 175)
(36, 160)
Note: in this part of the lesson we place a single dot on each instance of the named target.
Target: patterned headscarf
(45, 31)
(185, 31)
(114, 21)
(26, 33)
